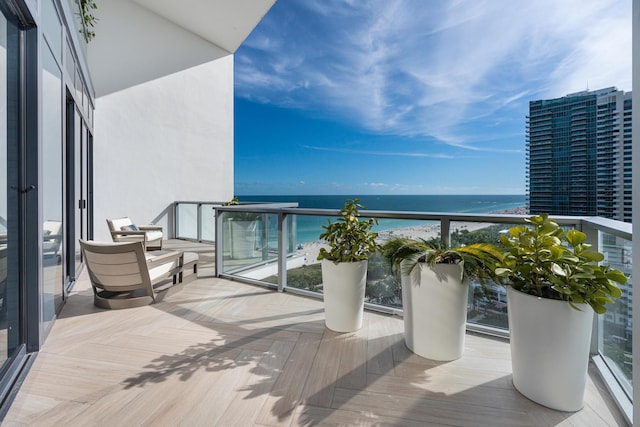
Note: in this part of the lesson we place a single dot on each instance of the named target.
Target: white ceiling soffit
(141, 40)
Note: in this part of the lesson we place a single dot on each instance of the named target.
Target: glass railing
(276, 245)
(196, 221)
(614, 327)
(296, 268)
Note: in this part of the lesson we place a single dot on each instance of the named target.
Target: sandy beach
(311, 250)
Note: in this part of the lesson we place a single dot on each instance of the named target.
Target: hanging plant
(88, 20)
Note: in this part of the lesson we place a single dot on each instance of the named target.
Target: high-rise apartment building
(579, 154)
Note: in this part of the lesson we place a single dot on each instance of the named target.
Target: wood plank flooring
(222, 353)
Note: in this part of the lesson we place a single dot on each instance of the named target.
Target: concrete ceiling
(141, 40)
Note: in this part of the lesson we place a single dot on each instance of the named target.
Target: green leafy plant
(477, 261)
(349, 238)
(545, 261)
(88, 19)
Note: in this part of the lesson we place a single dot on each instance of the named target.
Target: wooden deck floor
(222, 353)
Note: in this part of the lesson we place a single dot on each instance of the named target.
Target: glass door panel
(52, 187)
(74, 247)
(11, 313)
(84, 199)
(88, 162)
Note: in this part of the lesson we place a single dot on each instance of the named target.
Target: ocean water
(308, 228)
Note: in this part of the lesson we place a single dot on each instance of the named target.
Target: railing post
(219, 243)
(265, 237)
(282, 255)
(445, 231)
(199, 222)
(176, 222)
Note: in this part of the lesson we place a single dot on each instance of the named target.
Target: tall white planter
(243, 239)
(549, 349)
(434, 302)
(343, 286)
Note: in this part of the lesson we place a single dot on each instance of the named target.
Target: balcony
(226, 353)
(235, 352)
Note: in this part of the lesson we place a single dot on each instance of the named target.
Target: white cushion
(50, 245)
(53, 227)
(118, 223)
(188, 257)
(154, 235)
(162, 270)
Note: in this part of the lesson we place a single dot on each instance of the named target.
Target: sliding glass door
(78, 185)
(12, 193)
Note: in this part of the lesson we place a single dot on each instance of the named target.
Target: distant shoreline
(520, 210)
(310, 250)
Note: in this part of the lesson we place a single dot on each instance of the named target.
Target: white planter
(243, 239)
(343, 288)
(434, 302)
(549, 349)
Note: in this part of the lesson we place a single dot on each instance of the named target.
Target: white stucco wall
(165, 140)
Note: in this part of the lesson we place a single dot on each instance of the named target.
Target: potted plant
(242, 231)
(344, 267)
(555, 285)
(434, 282)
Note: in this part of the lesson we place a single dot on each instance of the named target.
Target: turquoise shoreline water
(309, 228)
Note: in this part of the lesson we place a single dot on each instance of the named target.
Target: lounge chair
(123, 275)
(124, 230)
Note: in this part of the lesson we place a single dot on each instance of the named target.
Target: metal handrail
(617, 228)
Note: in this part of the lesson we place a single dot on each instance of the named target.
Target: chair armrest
(138, 236)
(150, 227)
(49, 237)
(128, 233)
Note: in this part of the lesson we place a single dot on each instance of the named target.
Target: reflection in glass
(488, 303)
(10, 309)
(78, 141)
(52, 27)
(208, 222)
(53, 279)
(187, 221)
(251, 245)
(615, 325)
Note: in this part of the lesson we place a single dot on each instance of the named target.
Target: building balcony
(225, 353)
(229, 349)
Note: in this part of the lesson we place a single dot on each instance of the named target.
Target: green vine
(88, 19)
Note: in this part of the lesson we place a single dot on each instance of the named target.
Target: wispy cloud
(376, 184)
(379, 153)
(431, 69)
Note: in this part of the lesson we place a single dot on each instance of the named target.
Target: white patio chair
(124, 230)
(123, 275)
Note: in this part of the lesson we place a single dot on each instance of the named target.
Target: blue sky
(412, 97)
